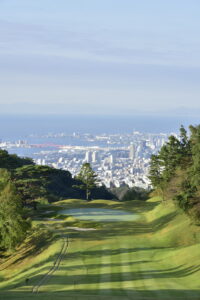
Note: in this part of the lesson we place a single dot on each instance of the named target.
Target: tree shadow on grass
(33, 276)
(106, 294)
(134, 205)
(112, 230)
(161, 222)
(36, 244)
(118, 229)
(170, 273)
(86, 278)
(102, 265)
(110, 252)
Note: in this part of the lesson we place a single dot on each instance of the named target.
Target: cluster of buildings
(117, 159)
(122, 159)
(16, 144)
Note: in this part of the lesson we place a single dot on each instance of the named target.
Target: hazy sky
(92, 56)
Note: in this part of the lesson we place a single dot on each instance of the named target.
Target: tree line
(23, 185)
(175, 171)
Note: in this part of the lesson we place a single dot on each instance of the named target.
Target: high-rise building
(60, 159)
(88, 156)
(94, 156)
(111, 159)
(132, 151)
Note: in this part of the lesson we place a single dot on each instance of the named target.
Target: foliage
(195, 147)
(101, 192)
(175, 171)
(34, 182)
(88, 180)
(13, 224)
(12, 161)
(136, 193)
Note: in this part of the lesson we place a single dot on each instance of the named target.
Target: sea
(40, 129)
(14, 127)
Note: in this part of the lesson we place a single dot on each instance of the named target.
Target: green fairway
(153, 257)
(100, 214)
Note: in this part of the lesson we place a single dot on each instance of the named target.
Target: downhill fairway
(151, 257)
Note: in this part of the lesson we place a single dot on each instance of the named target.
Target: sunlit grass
(155, 257)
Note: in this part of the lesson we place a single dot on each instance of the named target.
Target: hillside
(153, 257)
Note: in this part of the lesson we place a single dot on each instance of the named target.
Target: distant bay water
(21, 126)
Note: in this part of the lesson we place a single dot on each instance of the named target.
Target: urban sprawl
(117, 159)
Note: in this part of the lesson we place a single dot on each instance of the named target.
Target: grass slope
(155, 257)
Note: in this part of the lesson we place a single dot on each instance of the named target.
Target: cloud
(51, 53)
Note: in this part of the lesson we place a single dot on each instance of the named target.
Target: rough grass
(156, 257)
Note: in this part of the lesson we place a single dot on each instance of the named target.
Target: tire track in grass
(56, 265)
(105, 273)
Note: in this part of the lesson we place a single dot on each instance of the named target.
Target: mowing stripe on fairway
(149, 282)
(105, 272)
(127, 280)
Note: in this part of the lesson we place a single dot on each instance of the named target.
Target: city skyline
(117, 159)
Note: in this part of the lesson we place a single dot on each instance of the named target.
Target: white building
(88, 156)
(132, 152)
(94, 156)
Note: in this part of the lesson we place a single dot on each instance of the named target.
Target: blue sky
(105, 57)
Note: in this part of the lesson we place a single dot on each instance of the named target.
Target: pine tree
(185, 145)
(155, 170)
(174, 154)
(88, 179)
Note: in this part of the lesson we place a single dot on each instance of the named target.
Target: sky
(100, 57)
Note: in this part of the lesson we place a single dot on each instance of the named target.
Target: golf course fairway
(155, 256)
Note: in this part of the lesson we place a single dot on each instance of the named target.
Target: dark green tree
(34, 182)
(185, 145)
(175, 171)
(31, 182)
(155, 170)
(170, 155)
(87, 178)
(13, 224)
(136, 193)
(175, 154)
(195, 148)
(12, 161)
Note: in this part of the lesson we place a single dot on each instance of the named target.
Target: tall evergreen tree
(173, 154)
(195, 146)
(155, 170)
(13, 224)
(88, 179)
